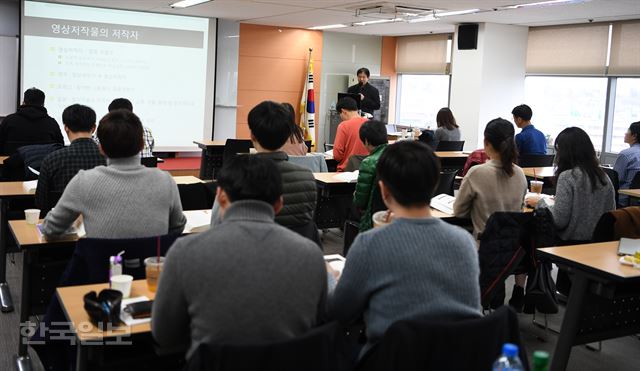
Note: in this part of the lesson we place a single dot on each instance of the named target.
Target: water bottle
(115, 265)
(509, 360)
(540, 361)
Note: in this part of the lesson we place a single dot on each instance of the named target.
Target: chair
(234, 146)
(450, 145)
(613, 175)
(428, 137)
(308, 144)
(321, 349)
(314, 162)
(11, 147)
(149, 161)
(353, 163)
(197, 196)
(445, 185)
(535, 160)
(328, 146)
(635, 183)
(16, 167)
(433, 344)
(310, 231)
(616, 224)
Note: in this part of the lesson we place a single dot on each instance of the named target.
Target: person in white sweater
(123, 199)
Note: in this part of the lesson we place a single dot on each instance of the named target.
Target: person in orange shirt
(347, 141)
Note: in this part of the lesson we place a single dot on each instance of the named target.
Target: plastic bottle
(540, 361)
(115, 264)
(509, 360)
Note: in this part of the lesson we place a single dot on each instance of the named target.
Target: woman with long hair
(295, 146)
(583, 191)
(448, 129)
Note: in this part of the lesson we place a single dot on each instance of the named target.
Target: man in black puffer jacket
(29, 125)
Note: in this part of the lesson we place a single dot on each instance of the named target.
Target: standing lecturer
(369, 95)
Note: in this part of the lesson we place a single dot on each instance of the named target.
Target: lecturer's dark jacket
(29, 125)
(371, 100)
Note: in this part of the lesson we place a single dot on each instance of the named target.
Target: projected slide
(91, 56)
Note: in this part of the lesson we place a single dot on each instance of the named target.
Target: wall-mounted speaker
(468, 36)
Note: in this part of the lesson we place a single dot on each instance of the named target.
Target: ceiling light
(328, 27)
(456, 12)
(540, 3)
(376, 22)
(187, 3)
(428, 18)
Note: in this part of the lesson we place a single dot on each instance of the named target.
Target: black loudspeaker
(468, 36)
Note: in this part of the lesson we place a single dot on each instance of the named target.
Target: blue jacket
(531, 141)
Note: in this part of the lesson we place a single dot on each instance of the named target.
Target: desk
(632, 193)
(212, 151)
(89, 336)
(8, 191)
(540, 172)
(604, 299)
(43, 263)
(452, 154)
(334, 200)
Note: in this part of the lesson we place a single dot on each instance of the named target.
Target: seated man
(347, 142)
(149, 142)
(628, 162)
(417, 266)
(269, 125)
(530, 141)
(248, 281)
(59, 167)
(123, 199)
(374, 136)
(29, 125)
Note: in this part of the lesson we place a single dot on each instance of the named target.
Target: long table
(604, 300)
(43, 262)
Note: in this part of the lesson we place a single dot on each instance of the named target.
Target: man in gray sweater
(416, 266)
(247, 281)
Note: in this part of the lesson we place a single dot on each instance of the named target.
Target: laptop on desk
(628, 246)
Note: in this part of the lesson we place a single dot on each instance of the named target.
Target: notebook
(628, 246)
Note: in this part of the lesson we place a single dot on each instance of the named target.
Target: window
(561, 102)
(421, 96)
(626, 110)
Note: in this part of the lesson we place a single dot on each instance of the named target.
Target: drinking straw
(158, 252)
(534, 175)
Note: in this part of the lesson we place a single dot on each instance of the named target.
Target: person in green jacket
(374, 136)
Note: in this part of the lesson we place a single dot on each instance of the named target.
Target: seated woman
(583, 191)
(374, 136)
(448, 129)
(295, 145)
(628, 162)
(123, 199)
(496, 185)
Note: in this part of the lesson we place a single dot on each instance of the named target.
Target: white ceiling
(309, 13)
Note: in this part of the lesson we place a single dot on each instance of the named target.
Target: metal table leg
(570, 322)
(6, 302)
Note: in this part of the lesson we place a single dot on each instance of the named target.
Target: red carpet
(181, 163)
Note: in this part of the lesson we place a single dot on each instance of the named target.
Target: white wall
(489, 81)
(9, 29)
(226, 80)
(9, 18)
(344, 54)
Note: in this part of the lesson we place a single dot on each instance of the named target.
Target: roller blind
(573, 49)
(625, 49)
(422, 54)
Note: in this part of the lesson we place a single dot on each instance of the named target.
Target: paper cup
(379, 219)
(32, 216)
(536, 186)
(122, 283)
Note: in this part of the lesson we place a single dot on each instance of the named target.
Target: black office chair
(613, 175)
(445, 185)
(197, 196)
(233, 147)
(308, 144)
(635, 183)
(149, 161)
(450, 145)
(535, 160)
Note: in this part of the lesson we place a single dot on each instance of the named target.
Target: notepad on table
(348, 176)
(336, 261)
(30, 186)
(443, 202)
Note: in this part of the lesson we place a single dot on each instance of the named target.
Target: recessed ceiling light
(457, 12)
(377, 22)
(187, 3)
(328, 27)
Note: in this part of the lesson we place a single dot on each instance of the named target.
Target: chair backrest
(308, 144)
(149, 161)
(535, 160)
(30, 155)
(11, 147)
(617, 224)
(450, 145)
(428, 137)
(321, 349)
(234, 146)
(432, 344)
(314, 162)
(328, 146)
(613, 175)
(445, 185)
(635, 183)
(353, 163)
(197, 196)
(90, 261)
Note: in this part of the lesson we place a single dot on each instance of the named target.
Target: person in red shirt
(347, 141)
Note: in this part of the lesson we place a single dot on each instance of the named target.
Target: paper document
(348, 176)
(30, 186)
(336, 261)
(126, 317)
(197, 220)
(443, 202)
(73, 231)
